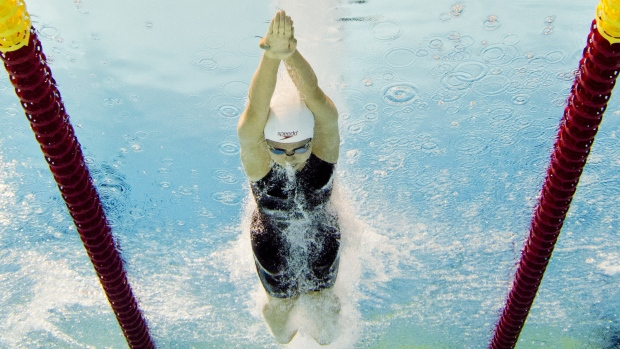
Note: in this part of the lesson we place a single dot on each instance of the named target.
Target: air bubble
(559, 102)
(228, 111)
(429, 145)
(112, 101)
(456, 81)
(10, 111)
(454, 36)
(48, 32)
(491, 23)
(501, 113)
(456, 56)
(457, 9)
(436, 44)
(470, 71)
(371, 107)
(445, 16)
(554, 57)
(203, 59)
(400, 93)
(499, 54)
(399, 57)
(440, 70)
(368, 82)
(466, 41)
(531, 84)
(520, 99)
(227, 198)
(548, 30)
(360, 128)
(225, 176)
(185, 191)
(371, 116)
(568, 76)
(229, 148)
(493, 53)
(452, 110)
(388, 76)
(386, 31)
(69, 57)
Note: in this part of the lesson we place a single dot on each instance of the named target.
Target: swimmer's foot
(325, 317)
(277, 313)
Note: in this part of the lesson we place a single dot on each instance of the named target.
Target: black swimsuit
(295, 235)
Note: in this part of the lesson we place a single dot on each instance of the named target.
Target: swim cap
(289, 122)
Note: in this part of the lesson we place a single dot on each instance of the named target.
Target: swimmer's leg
(277, 313)
(324, 309)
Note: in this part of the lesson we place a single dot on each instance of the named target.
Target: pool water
(448, 113)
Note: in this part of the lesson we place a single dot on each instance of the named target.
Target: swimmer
(289, 149)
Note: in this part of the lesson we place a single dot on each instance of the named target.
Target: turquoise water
(448, 114)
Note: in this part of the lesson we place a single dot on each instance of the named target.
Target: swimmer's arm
(326, 141)
(254, 154)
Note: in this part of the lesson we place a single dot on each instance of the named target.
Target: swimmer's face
(292, 154)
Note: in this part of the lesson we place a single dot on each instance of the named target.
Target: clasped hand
(280, 42)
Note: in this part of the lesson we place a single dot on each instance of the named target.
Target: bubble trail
(36, 89)
(598, 71)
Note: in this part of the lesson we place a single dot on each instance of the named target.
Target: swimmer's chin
(295, 166)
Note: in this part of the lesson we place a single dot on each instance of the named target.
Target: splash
(238, 261)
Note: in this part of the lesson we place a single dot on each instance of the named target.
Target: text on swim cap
(287, 135)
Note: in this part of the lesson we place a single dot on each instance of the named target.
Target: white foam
(610, 267)
(55, 287)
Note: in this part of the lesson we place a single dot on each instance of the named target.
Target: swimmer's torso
(295, 234)
(282, 195)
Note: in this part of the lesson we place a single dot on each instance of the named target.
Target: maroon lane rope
(33, 82)
(598, 70)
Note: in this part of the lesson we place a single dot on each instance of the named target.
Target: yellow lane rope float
(14, 25)
(608, 20)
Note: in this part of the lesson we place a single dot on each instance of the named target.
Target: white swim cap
(289, 122)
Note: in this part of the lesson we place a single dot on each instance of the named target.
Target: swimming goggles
(280, 151)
